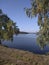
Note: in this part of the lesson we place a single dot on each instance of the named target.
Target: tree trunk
(0, 41)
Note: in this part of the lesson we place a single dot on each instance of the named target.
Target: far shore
(21, 32)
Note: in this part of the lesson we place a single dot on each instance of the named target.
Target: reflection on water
(26, 42)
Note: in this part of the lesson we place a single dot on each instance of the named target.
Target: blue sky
(15, 10)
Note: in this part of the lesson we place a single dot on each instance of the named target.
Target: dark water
(26, 42)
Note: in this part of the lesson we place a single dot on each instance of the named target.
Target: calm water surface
(26, 42)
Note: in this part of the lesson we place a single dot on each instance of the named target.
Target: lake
(26, 42)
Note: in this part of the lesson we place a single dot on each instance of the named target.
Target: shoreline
(10, 56)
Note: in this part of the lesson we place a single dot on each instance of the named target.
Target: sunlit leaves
(7, 27)
(9, 23)
(40, 8)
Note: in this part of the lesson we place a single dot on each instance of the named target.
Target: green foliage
(7, 27)
(40, 8)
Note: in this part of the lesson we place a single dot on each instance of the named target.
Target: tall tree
(7, 27)
(40, 8)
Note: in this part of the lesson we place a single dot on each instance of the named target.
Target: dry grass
(18, 57)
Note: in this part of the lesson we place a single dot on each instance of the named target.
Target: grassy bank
(18, 57)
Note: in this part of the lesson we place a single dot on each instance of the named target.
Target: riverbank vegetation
(7, 27)
(40, 9)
